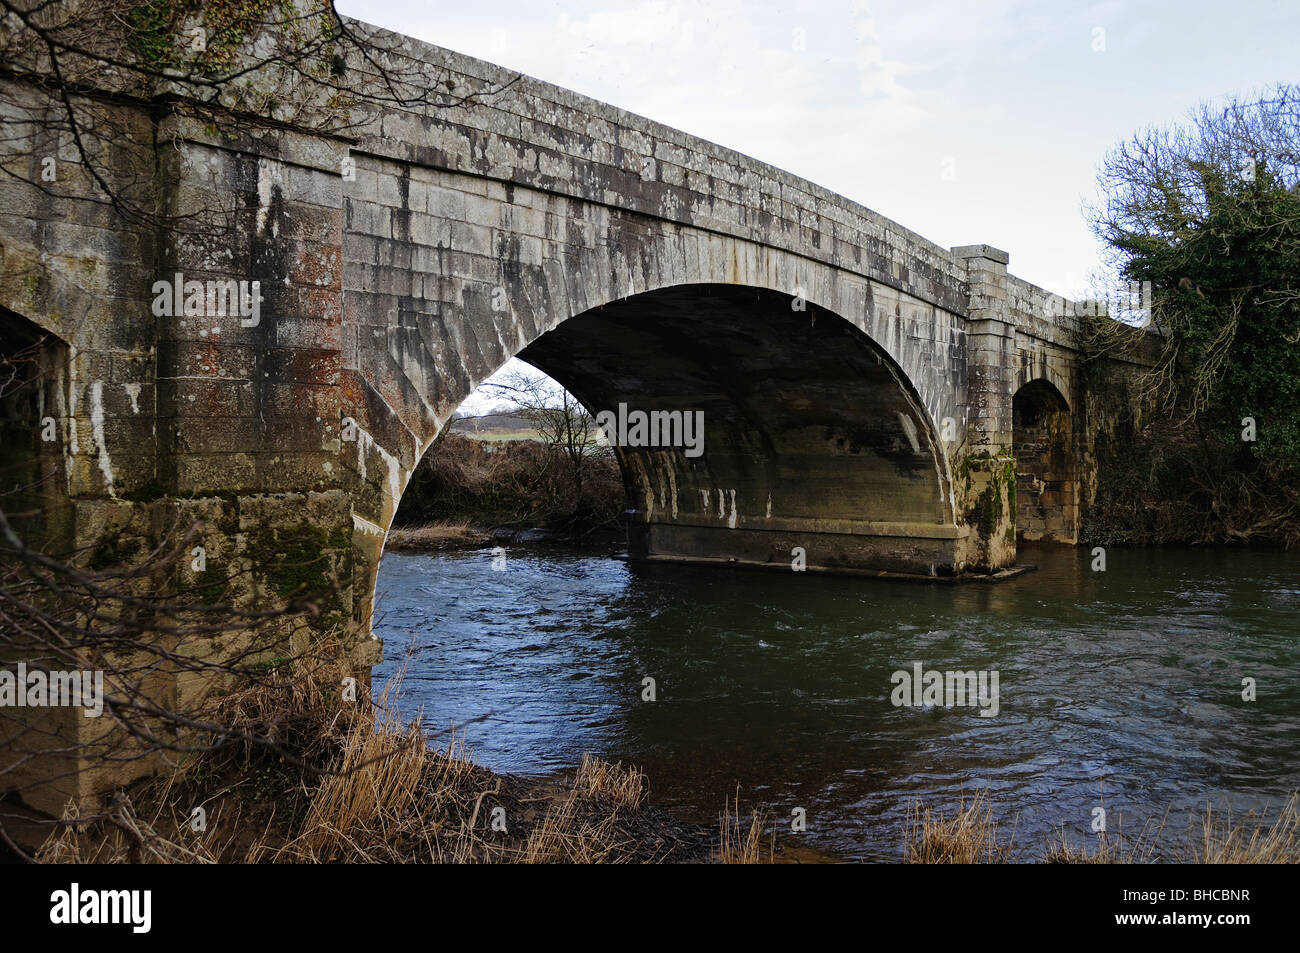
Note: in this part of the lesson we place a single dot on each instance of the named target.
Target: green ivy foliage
(1209, 213)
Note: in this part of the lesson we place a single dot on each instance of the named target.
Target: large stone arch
(880, 378)
(423, 335)
(426, 319)
(813, 435)
(1038, 365)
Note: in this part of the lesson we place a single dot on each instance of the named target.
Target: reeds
(968, 836)
(619, 785)
(738, 842)
(1217, 840)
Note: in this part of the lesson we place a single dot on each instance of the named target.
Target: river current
(1121, 689)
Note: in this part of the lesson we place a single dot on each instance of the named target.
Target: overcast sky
(968, 122)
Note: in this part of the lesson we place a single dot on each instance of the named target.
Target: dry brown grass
(572, 834)
(435, 536)
(125, 838)
(1110, 847)
(1212, 838)
(358, 813)
(623, 786)
(1109, 850)
(356, 784)
(968, 836)
(1217, 840)
(739, 843)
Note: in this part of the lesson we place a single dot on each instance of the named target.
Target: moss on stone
(270, 664)
(969, 463)
(146, 492)
(212, 583)
(154, 33)
(112, 550)
(986, 512)
(1009, 475)
(149, 33)
(297, 562)
(990, 508)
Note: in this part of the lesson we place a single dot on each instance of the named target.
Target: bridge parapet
(557, 141)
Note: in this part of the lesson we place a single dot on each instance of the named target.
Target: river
(1121, 688)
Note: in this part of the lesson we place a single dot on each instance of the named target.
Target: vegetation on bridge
(1209, 213)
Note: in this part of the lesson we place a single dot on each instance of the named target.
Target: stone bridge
(867, 395)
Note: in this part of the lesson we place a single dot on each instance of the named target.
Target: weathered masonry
(861, 387)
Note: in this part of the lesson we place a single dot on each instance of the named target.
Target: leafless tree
(560, 420)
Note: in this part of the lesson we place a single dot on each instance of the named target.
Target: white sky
(974, 122)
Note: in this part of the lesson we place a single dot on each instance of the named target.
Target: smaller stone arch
(34, 428)
(1047, 471)
(1035, 366)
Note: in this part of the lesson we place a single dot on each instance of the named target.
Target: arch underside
(812, 436)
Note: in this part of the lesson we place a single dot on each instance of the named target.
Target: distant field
(500, 436)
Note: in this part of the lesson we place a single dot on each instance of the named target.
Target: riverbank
(437, 537)
(395, 800)
(510, 487)
(453, 536)
(352, 783)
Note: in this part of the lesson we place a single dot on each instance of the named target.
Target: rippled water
(1125, 684)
